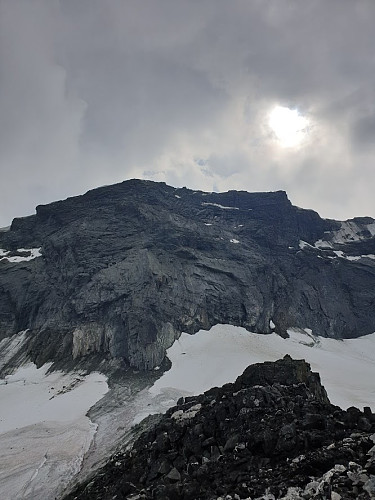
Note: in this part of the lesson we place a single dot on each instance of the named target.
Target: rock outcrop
(271, 435)
(120, 272)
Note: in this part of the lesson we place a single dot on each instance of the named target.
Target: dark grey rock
(174, 475)
(126, 268)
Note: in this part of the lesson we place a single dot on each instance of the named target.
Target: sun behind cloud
(289, 126)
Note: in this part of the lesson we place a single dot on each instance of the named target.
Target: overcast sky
(94, 92)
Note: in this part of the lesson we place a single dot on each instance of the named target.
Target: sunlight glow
(288, 125)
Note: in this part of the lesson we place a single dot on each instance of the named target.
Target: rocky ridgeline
(270, 435)
(115, 276)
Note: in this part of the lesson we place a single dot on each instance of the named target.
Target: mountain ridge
(124, 269)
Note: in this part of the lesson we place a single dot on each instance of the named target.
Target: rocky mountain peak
(286, 371)
(115, 275)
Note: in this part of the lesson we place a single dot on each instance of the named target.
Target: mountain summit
(116, 275)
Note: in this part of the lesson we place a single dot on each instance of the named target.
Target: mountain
(271, 434)
(111, 278)
(109, 281)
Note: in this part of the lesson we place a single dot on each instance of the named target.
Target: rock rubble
(270, 435)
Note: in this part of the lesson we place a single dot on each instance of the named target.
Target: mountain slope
(118, 273)
(271, 434)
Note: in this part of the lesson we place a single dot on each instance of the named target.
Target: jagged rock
(267, 452)
(124, 269)
(174, 475)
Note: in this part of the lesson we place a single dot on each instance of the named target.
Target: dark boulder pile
(272, 434)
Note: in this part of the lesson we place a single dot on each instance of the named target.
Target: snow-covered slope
(44, 430)
(212, 358)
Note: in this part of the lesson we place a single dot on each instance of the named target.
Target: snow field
(45, 433)
(44, 430)
(215, 357)
(30, 395)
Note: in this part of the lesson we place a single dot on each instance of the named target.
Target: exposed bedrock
(125, 269)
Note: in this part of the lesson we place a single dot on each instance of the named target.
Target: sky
(95, 92)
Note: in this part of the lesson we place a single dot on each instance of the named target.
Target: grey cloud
(95, 92)
(364, 131)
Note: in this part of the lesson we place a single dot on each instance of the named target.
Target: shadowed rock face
(271, 435)
(126, 268)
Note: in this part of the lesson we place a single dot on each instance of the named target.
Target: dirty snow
(44, 431)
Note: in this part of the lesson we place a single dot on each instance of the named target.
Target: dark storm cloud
(94, 92)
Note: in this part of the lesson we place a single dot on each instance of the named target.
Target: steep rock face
(272, 434)
(121, 271)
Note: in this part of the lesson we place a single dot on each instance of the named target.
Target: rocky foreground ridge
(117, 274)
(272, 434)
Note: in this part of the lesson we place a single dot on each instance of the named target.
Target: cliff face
(121, 271)
(271, 435)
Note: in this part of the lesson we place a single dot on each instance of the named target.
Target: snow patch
(176, 196)
(220, 206)
(272, 324)
(234, 241)
(348, 232)
(339, 253)
(321, 245)
(304, 244)
(342, 255)
(33, 254)
(358, 257)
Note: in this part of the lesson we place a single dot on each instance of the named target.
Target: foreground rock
(118, 273)
(272, 434)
